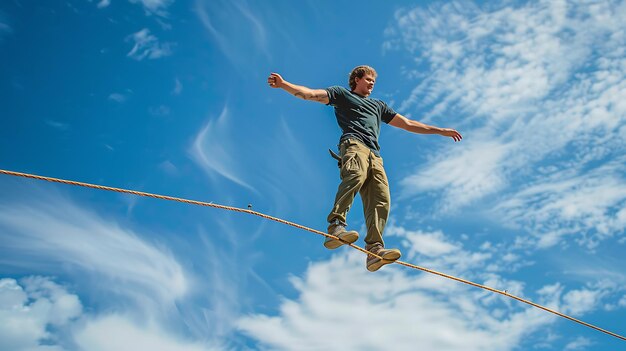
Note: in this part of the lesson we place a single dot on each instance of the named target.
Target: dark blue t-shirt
(359, 117)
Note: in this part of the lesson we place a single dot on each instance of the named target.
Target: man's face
(365, 85)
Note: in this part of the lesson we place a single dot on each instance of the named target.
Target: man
(361, 167)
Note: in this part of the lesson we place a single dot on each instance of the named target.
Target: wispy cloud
(103, 3)
(148, 46)
(591, 205)
(55, 233)
(218, 150)
(235, 27)
(482, 159)
(213, 148)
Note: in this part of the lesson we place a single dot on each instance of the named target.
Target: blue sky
(171, 97)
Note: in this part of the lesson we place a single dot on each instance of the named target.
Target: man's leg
(376, 204)
(354, 163)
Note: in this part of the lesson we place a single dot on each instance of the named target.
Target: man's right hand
(275, 80)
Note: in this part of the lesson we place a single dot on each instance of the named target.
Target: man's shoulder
(337, 88)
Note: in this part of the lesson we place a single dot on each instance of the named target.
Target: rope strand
(296, 225)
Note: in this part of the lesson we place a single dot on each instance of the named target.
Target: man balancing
(361, 167)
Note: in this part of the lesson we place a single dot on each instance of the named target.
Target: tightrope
(296, 225)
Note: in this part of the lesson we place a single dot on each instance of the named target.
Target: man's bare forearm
(305, 93)
(421, 128)
(275, 80)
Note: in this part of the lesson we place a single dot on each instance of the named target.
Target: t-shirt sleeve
(335, 94)
(387, 113)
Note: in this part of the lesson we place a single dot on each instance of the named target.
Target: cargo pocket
(350, 163)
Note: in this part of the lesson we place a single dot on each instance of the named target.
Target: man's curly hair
(360, 71)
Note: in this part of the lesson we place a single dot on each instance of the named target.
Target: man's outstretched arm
(402, 122)
(320, 95)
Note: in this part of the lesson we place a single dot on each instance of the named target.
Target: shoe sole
(349, 238)
(388, 258)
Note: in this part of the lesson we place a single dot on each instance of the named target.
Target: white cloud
(437, 251)
(419, 242)
(147, 46)
(565, 203)
(29, 308)
(338, 300)
(578, 302)
(54, 233)
(103, 3)
(130, 335)
(36, 311)
(535, 84)
(580, 343)
(463, 175)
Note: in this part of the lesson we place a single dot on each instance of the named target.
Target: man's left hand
(451, 133)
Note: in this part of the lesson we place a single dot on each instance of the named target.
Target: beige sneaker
(345, 237)
(374, 263)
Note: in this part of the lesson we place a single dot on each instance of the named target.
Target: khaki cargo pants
(362, 171)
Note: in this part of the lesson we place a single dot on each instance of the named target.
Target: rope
(279, 220)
